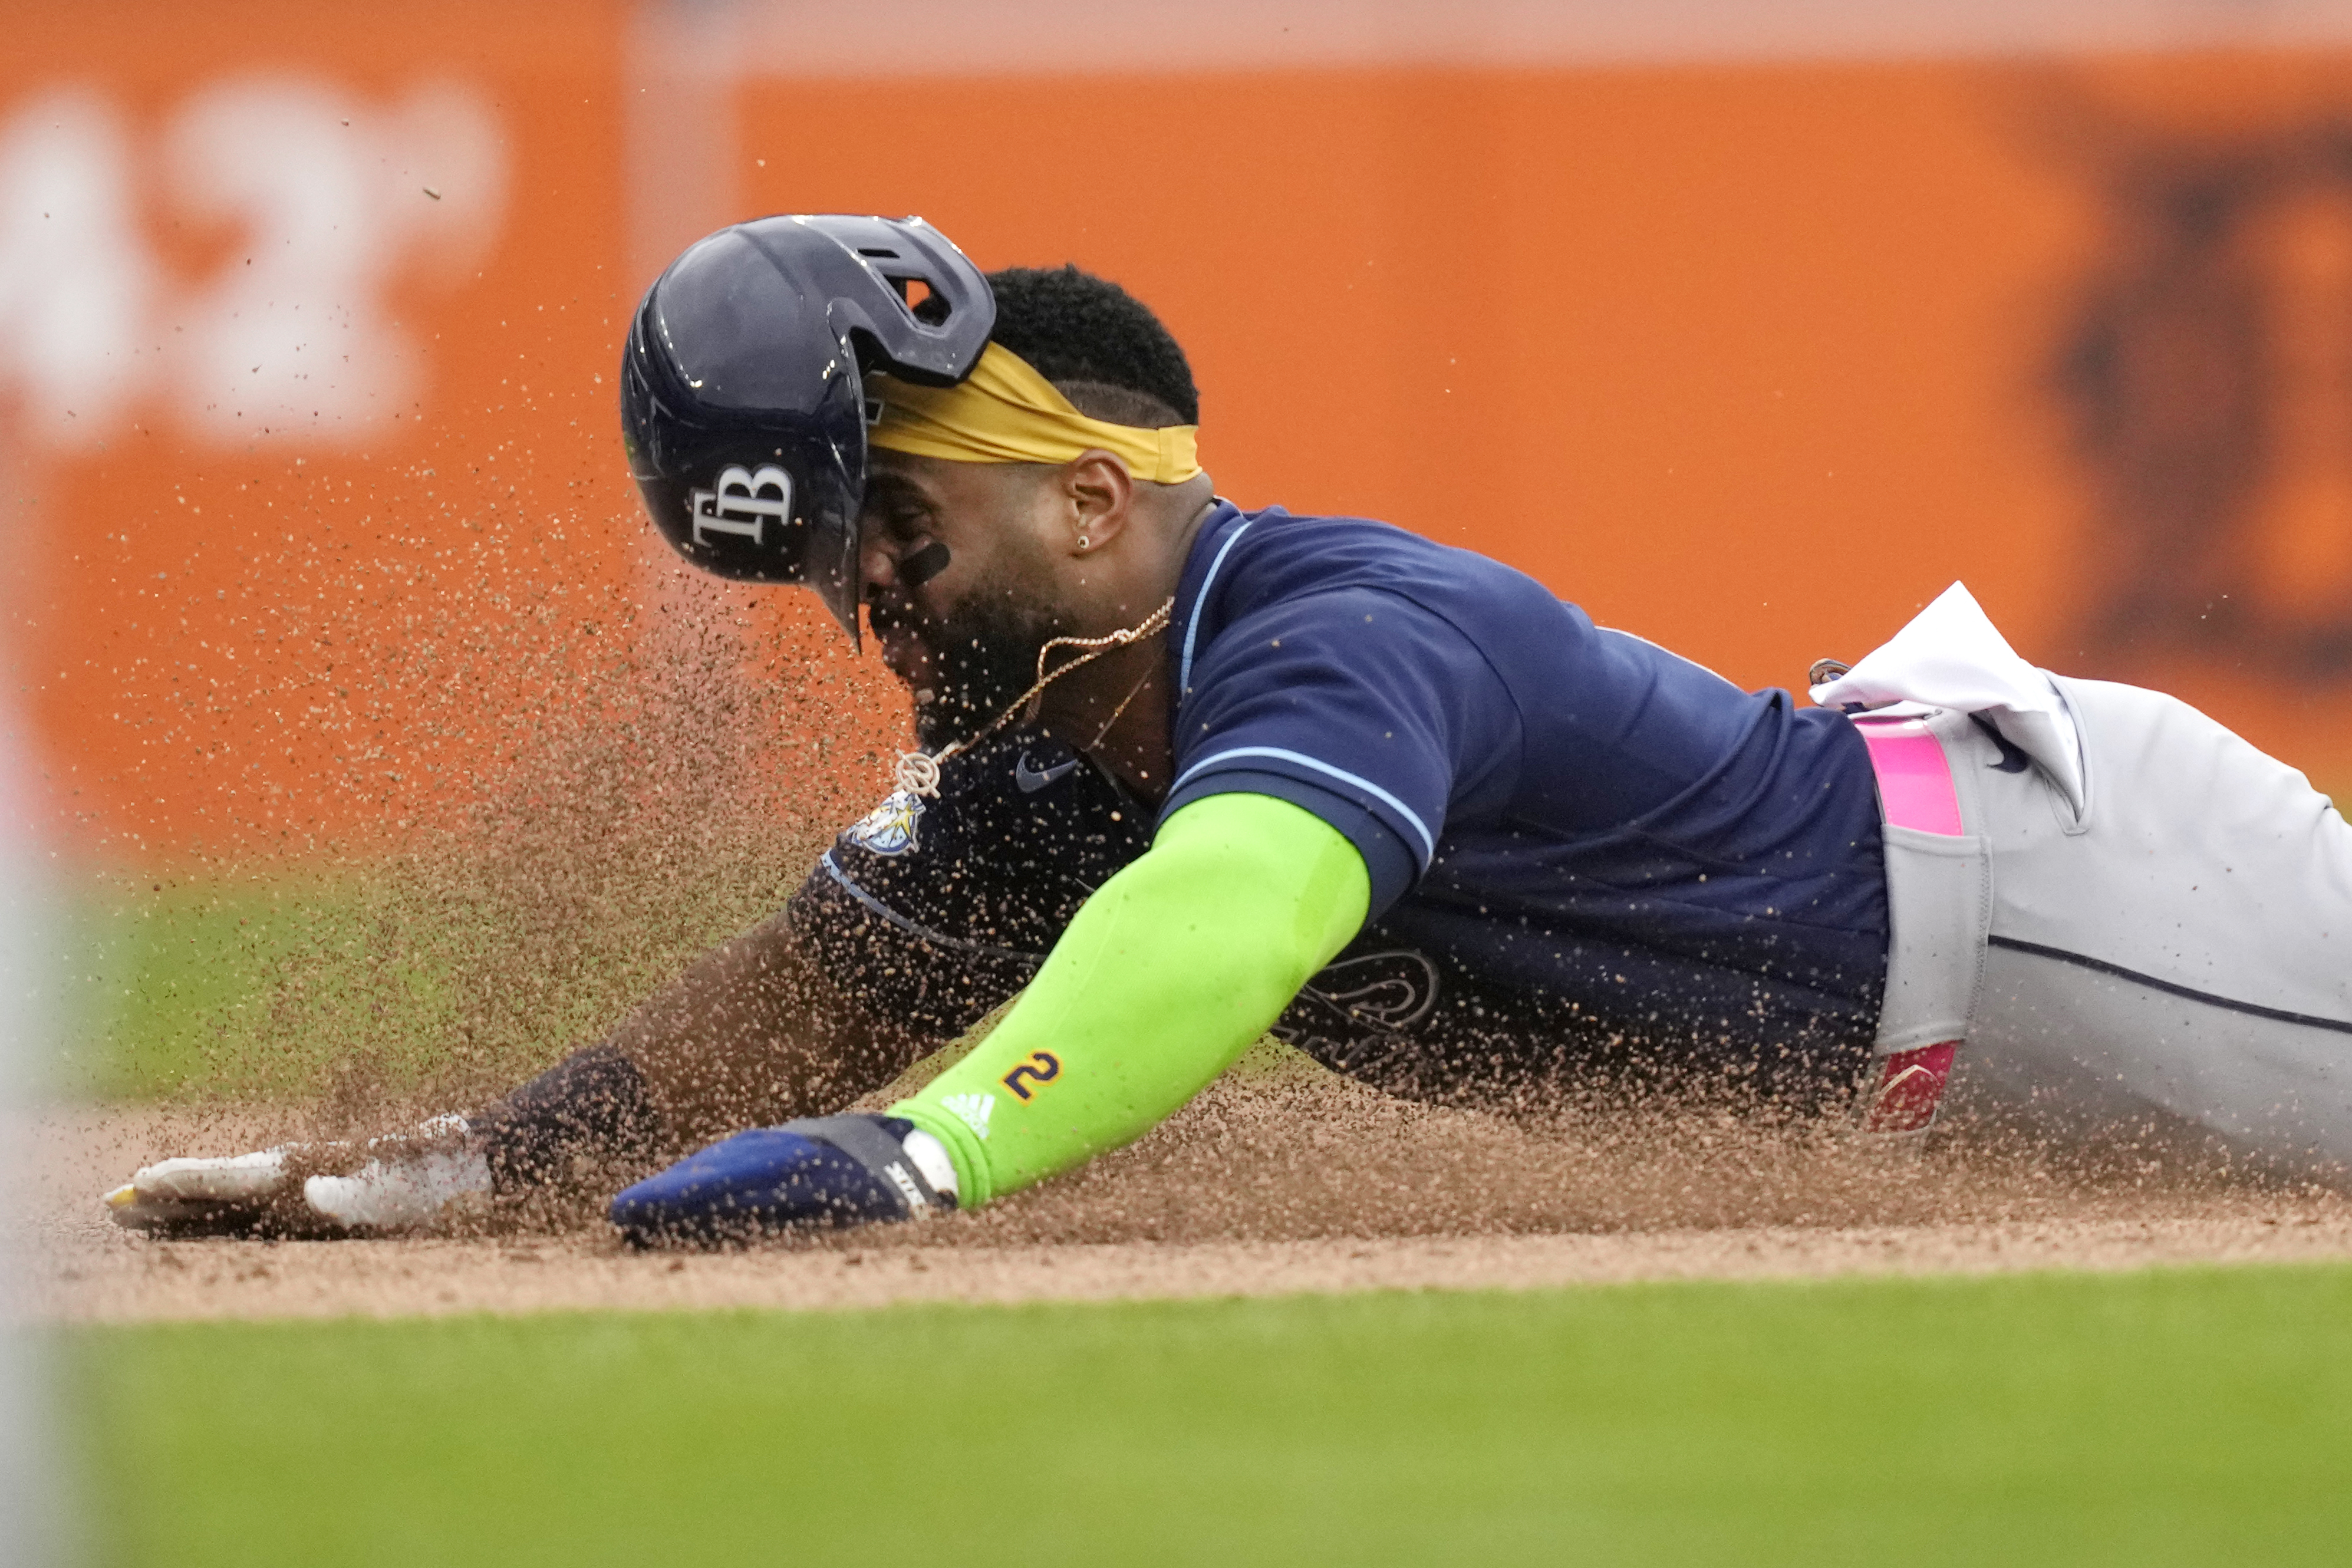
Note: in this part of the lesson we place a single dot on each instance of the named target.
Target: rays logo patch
(889, 828)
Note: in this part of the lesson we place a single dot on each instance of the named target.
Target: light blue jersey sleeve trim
(1428, 843)
(1193, 625)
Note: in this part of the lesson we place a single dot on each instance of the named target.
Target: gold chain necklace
(919, 772)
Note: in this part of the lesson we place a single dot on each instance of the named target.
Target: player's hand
(221, 1196)
(308, 1189)
(828, 1171)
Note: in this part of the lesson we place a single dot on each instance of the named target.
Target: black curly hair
(1099, 344)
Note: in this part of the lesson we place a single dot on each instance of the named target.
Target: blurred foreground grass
(2194, 1416)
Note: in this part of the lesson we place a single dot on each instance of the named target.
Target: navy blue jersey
(1589, 857)
(1557, 808)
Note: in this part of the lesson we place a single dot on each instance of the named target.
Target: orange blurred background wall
(1749, 356)
(328, 294)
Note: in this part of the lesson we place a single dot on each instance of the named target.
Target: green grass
(287, 982)
(178, 984)
(2165, 1417)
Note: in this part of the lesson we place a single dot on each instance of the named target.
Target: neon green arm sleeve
(1173, 968)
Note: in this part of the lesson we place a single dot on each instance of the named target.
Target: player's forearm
(749, 1034)
(752, 1032)
(1172, 970)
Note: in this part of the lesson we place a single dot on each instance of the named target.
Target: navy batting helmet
(743, 400)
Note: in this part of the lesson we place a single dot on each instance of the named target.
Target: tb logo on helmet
(743, 504)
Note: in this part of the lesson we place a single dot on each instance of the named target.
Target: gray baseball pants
(2184, 945)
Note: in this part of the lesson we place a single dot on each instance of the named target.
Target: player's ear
(1101, 496)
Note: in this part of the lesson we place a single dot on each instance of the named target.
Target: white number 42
(323, 197)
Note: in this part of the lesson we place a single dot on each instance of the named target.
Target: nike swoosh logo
(1031, 780)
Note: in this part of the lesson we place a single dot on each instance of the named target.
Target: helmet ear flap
(833, 566)
(866, 350)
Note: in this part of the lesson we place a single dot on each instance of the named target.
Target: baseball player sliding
(1189, 774)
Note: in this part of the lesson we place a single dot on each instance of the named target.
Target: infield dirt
(1298, 1181)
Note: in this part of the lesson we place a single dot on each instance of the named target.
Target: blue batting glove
(826, 1172)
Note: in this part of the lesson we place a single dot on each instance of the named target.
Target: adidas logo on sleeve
(972, 1109)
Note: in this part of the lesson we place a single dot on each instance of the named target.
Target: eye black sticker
(923, 565)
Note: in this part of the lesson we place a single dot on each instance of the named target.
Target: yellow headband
(1004, 412)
